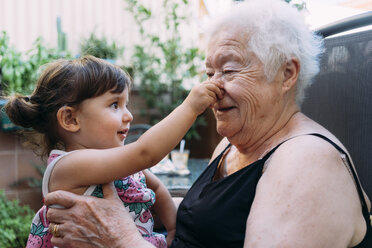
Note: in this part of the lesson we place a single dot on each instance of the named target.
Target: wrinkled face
(250, 102)
(104, 120)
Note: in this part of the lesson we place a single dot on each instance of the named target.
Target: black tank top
(214, 212)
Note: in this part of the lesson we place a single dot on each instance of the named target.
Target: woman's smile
(223, 108)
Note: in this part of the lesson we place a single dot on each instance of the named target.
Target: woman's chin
(224, 131)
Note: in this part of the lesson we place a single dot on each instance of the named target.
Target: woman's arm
(164, 206)
(93, 222)
(88, 166)
(305, 198)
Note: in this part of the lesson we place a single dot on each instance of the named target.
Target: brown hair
(62, 83)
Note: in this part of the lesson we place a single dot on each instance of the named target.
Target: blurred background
(159, 42)
(25, 20)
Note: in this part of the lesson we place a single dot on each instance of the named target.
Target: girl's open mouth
(123, 134)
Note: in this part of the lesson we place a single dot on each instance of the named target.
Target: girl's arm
(89, 166)
(164, 206)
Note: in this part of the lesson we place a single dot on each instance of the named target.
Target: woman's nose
(218, 81)
(218, 77)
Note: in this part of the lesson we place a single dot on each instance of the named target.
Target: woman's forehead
(234, 36)
(226, 45)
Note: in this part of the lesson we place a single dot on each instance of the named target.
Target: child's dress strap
(55, 156)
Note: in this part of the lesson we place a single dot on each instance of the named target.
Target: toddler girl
(79, 119)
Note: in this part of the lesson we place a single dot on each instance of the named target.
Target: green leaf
(19, 71)
(15, 222)
(161, 65)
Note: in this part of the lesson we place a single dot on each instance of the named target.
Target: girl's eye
(114, 105)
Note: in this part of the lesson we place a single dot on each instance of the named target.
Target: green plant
(61, 36)
(161, 64)
(300, 5)
(19, 71)
(15, 223)
(100, 48)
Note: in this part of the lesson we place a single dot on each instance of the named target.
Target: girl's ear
(291, 72)
(66, 117)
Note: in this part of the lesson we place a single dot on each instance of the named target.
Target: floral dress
(132, 190)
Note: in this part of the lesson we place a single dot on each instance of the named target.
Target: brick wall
(16, 163)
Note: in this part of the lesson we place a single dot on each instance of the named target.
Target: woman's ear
(291, 72)
(66, 117)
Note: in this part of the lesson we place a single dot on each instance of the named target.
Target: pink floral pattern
(39, 235)
(136, 197)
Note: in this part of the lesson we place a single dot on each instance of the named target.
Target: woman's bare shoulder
(305, 175)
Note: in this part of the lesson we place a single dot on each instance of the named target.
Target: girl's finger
(217, 90)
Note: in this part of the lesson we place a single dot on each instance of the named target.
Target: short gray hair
(278, 32)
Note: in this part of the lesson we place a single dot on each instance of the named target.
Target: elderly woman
(277, 179)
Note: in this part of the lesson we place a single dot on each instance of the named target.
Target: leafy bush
(19, 71)
(300, 5)
(161, 64)
(100, 48)
(15, 223)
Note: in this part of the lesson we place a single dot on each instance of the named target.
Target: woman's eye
(114, 105)
(227, 71)
(210, 74)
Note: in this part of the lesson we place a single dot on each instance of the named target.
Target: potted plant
(100, 48)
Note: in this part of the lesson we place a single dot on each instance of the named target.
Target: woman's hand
(170, 236)
(92, 222)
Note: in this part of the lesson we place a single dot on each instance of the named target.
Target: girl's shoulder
(57, 154)
(54, 154)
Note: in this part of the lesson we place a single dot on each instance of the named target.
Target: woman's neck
(256, 146)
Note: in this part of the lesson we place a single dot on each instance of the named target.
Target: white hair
(277, 32)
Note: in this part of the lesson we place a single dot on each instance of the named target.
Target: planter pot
(6, 124)
(112, 61)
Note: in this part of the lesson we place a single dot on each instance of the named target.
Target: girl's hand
(204, 95)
